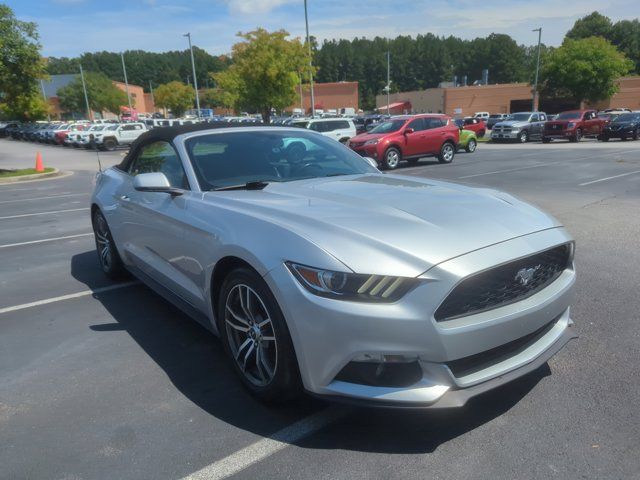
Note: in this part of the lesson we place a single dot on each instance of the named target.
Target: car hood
(390, 224)
(365, 137)
(511, 123)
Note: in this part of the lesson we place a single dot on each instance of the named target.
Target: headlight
(371, 142)
(352, 286)
(571, 124)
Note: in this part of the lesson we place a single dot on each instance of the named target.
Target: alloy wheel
(104, 243)
(447, 152)
(251, 335)
(392, 159)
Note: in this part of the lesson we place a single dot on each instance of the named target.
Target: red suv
(408, 138)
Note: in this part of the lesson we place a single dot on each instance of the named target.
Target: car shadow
(195, 363)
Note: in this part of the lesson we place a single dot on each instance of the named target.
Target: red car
(61, 135)
(573, 125)
(408, 138)
(474, 124)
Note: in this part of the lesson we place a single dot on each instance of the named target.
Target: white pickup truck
(119, 134)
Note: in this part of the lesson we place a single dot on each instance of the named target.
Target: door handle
(124, 198)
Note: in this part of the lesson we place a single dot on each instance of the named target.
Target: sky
(71, 27)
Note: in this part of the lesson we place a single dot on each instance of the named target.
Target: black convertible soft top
(167, 134)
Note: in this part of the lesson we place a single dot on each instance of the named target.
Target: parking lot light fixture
(126, 84)
(86, 97)
(535, 83)
(313, 99)
(193, 67)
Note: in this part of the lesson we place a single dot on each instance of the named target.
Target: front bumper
(330, 334)
(502, 135)
(619, 133)
(560, 134)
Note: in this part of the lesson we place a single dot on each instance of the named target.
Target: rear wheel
(546, 140)
(523, 136)
(392, 158)
(108, 256)
(256, 337)
(636, 134)
(447, 152)
(471, 146)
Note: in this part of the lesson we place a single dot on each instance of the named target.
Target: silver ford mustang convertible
(320, 273)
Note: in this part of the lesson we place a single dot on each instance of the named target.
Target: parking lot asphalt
(106, 380)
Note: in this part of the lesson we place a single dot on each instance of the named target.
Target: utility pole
(388, 82)
(126, 83)
(313, 98)
(86, 97)
(535, 84)
(193, 67)
(46, 102)
(301, 97)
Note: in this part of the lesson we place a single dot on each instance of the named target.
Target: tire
(109, 144)
(546, 140)
(256, 329)
(344, 140)
(577, 137)
(623, 138)
(108, 255)
(392, 158)
(636, 134)
(523, 136)
(471, 146)
(447, 152)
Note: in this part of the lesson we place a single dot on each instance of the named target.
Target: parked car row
(572, 125)
(101, 135)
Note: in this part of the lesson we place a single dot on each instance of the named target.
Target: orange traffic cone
(39, 166)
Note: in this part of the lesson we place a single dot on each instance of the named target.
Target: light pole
(535, 84)
(313, 98)
(86, 97)
(126, 84)
(193, 67)
(153, 100)
(388, 87)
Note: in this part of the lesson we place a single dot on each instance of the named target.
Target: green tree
(176, 96)
(264, 73)
(103, 95)
(585, 69)
(21, 66)
(593, 25)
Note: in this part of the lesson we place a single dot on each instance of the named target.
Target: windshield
(112, 127)
(520, 117)
(569, 116)
(235, 158)
(627, 117)
(388, 126)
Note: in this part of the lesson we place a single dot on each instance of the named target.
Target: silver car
(322, 274)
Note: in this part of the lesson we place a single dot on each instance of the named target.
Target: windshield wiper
(337, 174)
(255, 185)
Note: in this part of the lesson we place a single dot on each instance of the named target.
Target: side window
(128, 127)
(534, 118)
(543, 117)
(343, 125)
(330, 126)
(160, 157)
(433, 123)
(316, 126)
(417, 125)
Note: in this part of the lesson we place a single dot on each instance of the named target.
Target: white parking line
(608, 178)
(70, 296)
(45, 198)
(505, 171)
(266, 447)
(53, 239)
(43, 213)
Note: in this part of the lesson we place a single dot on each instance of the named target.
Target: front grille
(555, 126)
(480, 361)
(506, 284)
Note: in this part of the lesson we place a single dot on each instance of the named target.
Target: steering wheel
(309, 165)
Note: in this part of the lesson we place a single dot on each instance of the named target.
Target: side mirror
(407, 131)
(371, 161)
(155, 182)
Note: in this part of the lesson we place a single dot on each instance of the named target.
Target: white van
(481, 115)
(342, 129)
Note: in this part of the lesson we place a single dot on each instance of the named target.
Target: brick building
(335, 95)
(500, 98)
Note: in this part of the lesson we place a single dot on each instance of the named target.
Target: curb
(35, 176)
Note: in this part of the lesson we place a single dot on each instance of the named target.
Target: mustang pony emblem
(525, 275)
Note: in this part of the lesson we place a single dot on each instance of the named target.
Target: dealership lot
(106, 380)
